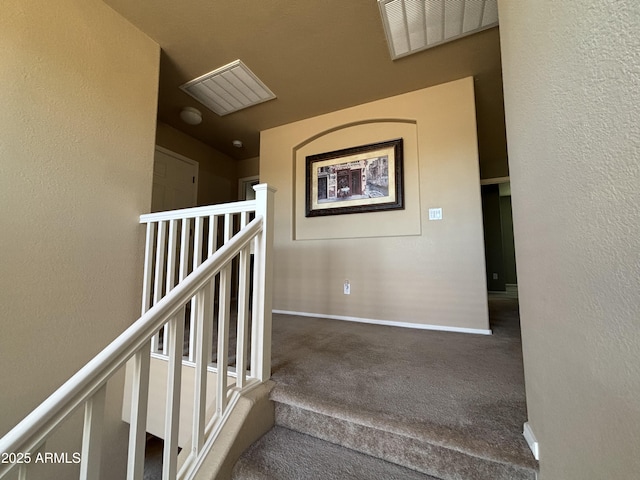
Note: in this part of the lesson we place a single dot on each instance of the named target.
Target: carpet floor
(451, 405)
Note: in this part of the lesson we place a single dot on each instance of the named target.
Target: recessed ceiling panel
(415, 25)
(228, 89)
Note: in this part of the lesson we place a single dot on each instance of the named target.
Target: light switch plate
(435, 214)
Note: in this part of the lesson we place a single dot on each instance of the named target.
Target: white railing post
(138, 417)
(197, 260)
(183, 271)
(243, 316)
(263, 275)
(204, 325)
(159, 278)
(170, 274)
(148, 267)
(244, 273)
(92, 436)
(24, 469)
(224, 300)
(174, 388)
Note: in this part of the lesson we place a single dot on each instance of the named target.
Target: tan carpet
(451, 405)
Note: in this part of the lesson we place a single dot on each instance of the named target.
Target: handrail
(33, 430)
(220, 209)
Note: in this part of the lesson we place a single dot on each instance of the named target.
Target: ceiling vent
(228, 89)
(415, 25)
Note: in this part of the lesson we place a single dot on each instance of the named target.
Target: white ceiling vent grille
(228, 89)
(415, 25)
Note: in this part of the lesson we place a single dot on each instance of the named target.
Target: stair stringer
(252, 416)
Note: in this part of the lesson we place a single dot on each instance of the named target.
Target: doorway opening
(245, 187)
(500, 258)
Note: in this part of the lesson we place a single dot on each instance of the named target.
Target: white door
(175, 181)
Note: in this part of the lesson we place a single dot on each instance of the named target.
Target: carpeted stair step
(380, 438)
(284, 454)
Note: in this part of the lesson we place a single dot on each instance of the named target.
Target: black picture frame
(366, 178)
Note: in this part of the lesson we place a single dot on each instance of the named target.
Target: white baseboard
(531, 440)
(390, 323)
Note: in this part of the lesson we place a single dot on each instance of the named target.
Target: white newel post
(262, 292)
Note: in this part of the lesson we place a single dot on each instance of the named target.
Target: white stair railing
(88, 386)
(177, 242)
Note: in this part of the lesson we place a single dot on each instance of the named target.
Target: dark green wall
(493, 237)
(500, 255)
(508, 247)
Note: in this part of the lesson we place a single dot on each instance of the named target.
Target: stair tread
(449, 462)
(518, 455)
(285, 454)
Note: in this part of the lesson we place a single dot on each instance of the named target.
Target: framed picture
(360, 179)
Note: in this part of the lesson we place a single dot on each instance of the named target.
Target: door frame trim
(242, 183)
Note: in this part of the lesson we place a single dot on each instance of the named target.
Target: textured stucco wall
(402, 267)
(571, 76)
(78, 97)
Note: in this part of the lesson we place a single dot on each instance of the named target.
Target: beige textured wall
(427, 272)
(217, 176)
(248, 167)
(78, 96)
(571, 76)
